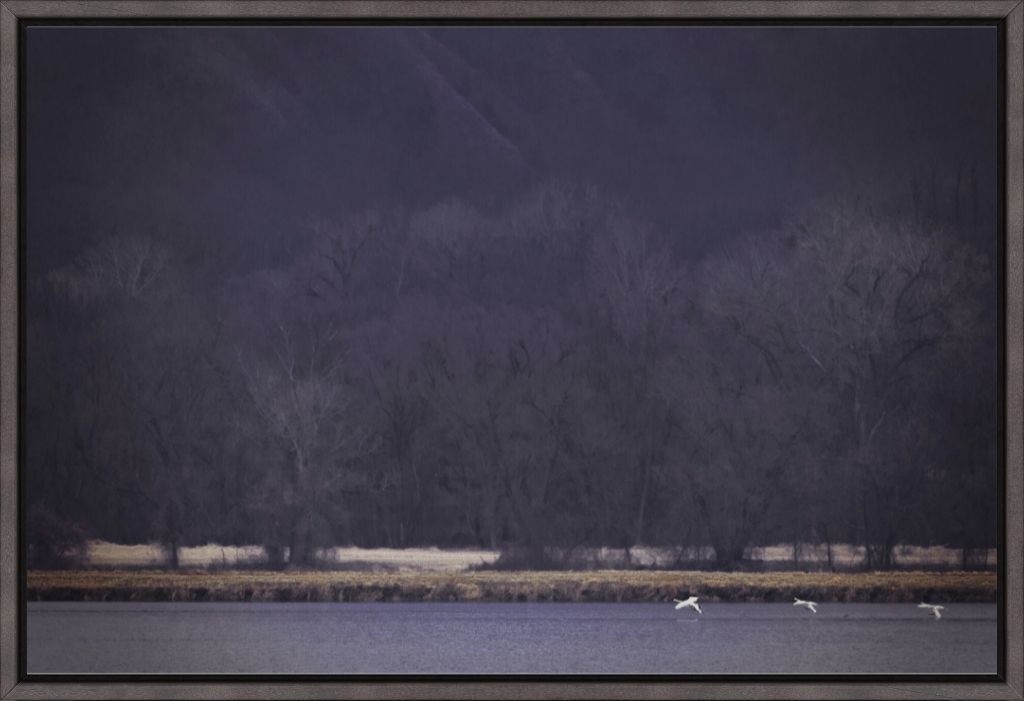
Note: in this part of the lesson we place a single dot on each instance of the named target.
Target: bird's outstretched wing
(697, 606)
(813, 607)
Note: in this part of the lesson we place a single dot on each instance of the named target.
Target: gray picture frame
(1010, 12)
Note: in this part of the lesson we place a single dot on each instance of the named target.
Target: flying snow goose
(689, 603)
(813, 607)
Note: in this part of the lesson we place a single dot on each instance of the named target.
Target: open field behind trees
(212, 556)
(599, 585)
(107, 555)
(548, 377)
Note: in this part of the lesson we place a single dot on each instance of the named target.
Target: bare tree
(299, 396)
(127, 266)
(393, 379)
(338, 251)
(883, 299)
(636, 289)
(151, 386)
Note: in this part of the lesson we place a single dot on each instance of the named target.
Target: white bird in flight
(806, 604)
(689, 603)
(935, 609)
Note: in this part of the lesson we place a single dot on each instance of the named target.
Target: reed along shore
(525, 586)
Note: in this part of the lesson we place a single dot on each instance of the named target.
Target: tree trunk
(299, 550)
(172, 534)
(300, 554)
(638, 533)
(172, 553)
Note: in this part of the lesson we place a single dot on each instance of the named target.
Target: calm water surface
(549, 638)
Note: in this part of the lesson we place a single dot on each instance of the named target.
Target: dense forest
(511, 287)
(550, 373)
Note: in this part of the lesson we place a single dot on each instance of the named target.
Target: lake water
(544, 638)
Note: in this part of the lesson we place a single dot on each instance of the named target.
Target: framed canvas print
(511, 349)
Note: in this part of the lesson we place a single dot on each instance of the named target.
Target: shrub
(523, 558)
(54, 542)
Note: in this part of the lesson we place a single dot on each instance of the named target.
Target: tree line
(556, 373)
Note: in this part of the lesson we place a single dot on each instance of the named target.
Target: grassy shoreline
(598, 585)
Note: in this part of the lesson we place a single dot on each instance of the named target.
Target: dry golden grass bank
(600, 585)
